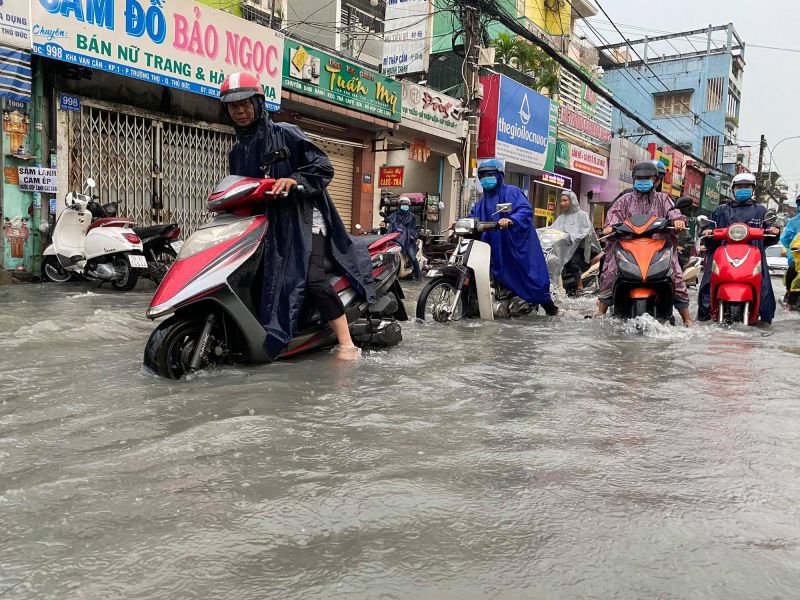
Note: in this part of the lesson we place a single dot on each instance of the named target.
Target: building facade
(692, 96)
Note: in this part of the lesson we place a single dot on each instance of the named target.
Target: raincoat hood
(574, 206)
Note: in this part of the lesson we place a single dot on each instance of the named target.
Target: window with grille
(710, 148)
(668, 105)
(714, 89)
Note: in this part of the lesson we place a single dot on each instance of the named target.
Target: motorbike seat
(146, 232)
(110, 222)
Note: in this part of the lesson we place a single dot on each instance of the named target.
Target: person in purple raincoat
(644, 200)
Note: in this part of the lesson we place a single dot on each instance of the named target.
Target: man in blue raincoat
(517, 258)
(404, 222)
(743, 208)
(305, 233)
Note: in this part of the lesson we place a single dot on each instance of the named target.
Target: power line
(491, 8)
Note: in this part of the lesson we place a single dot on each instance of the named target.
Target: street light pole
(769, 168)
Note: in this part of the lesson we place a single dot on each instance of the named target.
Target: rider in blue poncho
(517, 259)
(404, 222)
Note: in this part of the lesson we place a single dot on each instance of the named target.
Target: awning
(15, 74)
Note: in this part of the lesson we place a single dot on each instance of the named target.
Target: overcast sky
(771, 95)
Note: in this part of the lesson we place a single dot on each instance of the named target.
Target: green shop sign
(550, 160)
(562, 154)
(311, 72)
(711, 193)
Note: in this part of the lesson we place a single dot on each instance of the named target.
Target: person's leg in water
(680, 291)
(327, 301)
(574, 268)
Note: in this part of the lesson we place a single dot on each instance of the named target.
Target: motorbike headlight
(203, 239)
(737, 233)
(714, 267)
(757, 270)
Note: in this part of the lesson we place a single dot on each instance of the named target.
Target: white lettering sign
(15, 24)
(424, 108)
(405, 47)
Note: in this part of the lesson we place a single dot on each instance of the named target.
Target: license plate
(137, 261)
(177, 245)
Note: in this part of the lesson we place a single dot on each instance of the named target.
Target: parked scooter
(644, 269)
(212, 292)
(160, 242)
(692, 269)
(736, 271)
(462, 287)
(97, 251)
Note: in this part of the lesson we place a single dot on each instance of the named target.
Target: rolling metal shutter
(341, 188)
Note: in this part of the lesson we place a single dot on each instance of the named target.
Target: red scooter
(736, 271)
(212, 291)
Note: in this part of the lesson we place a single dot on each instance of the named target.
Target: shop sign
(555, 179)
(37, 179)
(577, 121)
(515, 123)
(550, 160)
(711, 193)
(693, 185)
(405, 37)
(424, 106)
(575, 158)
(69, 102)
(419, 151)
(666, 160)
(730, 154)
(179, 43)
(588, 100)
(15, 24)
(391, 176)
(677, 169)
(314, 73)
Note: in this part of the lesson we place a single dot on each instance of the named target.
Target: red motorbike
(735, 273)
(212, 291)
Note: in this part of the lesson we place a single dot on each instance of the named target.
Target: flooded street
(531, 458)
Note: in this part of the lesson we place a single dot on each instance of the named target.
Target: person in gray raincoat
(306, 236)
(582, 238)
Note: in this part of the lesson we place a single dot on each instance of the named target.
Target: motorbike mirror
(703, 221)
(771, 216)
(358, 226)
(90, 183)
(69, 199)
(504, 208)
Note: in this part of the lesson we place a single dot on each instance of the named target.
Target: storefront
(584, 139)
(518, 125)
(422, 159)
(342, 106)
(547, 188)
(136, 106)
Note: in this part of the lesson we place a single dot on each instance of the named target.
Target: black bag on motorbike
(378, 333)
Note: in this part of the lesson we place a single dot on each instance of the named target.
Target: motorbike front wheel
(436, 300)
(161, 263)
(53, 271)
(169, 350)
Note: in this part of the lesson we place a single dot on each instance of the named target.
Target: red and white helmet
(239, 86)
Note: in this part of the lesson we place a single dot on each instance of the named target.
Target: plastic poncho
(791, 231)
(517, 259)
(578, 225)
(653, 203)
(751, 214)
(405, 223)
(287, 243)
(794, 253)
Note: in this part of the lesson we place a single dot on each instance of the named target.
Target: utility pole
(761, 186)
(470, 18)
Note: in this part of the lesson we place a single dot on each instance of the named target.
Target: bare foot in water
(348, 352)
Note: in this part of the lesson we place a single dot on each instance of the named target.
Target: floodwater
(533, 458)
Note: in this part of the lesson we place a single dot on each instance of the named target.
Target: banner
(572, 156)
(426, 109)
(15, 24)
(179, 43)
(314, 73)
(711, 193)
(405, 37)
(515, 123)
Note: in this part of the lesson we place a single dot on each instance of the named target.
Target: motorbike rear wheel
(436, 299)
(53, 271)
(169, 350)
(129, 277)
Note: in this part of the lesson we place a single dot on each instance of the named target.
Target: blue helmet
(661, 168)
(492, 164)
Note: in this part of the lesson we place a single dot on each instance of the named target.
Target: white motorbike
(107, 250)
(462, 286)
